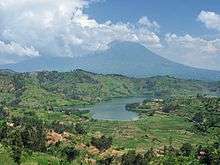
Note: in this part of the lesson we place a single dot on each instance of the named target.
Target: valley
(80, 117)
(109, 82)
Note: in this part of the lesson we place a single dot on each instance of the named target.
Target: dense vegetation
(40, 122)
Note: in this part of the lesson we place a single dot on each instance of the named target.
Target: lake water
(115, 109)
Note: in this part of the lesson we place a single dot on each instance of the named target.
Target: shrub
(186, 149)
(70, 152)
(79, 129)
(102, 143)
(106, 161)
(131, 158)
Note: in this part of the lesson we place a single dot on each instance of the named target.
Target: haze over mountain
(124, 58)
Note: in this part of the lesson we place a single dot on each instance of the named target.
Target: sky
(184, 31)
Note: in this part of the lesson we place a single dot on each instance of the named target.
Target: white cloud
(30, 28)
(194, 44)
(14, 48)
(13, 52)
(150, 24)
(193, 51)
(210, 19)
(61, 28)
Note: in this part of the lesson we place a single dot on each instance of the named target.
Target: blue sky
(176, 16)
(184, 31)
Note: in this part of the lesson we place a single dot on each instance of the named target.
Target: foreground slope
(36, 128)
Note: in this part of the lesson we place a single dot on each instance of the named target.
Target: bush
(186, 149)
(3, 130)
(131, 158)
(198, 118)
(204, 155)
(79, 129)
(3, 113)
(70, 152)
(102, 143)
(106, 161)
(15, 141)
(149, 155)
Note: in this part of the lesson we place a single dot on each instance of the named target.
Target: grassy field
(155, 131)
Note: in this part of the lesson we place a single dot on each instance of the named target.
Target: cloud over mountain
(61, 28)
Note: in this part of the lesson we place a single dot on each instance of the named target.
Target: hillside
(124, 58)
(80, 87)
(36, 126)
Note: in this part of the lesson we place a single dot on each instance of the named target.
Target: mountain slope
(124, 58)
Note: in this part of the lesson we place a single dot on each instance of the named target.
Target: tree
(3, 113)
(32, 131)
(186, 149)
(58, 127)
(168, 107)
(102, 143)
(198, 118)
(106, 161)
(149, 155)
(70, 152)
(3, 130)
(204, 155)
(131, 158)
(16, 144)
(79, 129)
(33, 134)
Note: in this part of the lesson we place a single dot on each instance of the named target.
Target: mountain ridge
(125, 58)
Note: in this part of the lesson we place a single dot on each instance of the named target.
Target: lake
(115, 109)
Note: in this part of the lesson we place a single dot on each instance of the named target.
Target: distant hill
(7, 71)
(65, 88)
(124, 58)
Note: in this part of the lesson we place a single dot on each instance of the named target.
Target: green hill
(81, 87)
(36, 128)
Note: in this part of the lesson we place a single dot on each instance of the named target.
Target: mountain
(124, 58)
(7, 71)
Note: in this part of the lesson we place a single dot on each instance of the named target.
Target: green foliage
(58, 127)
(6, 156)
(34, 103)
(15, 141)
(79, 129)
(43, 89)
(102, 143)
(4, 129)
(70, 152)
(106, 161)
(198, 118)
(204, 155)
(32, 131)
(131, 158)
(186, 149)
(3, 112)
(39, 159)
